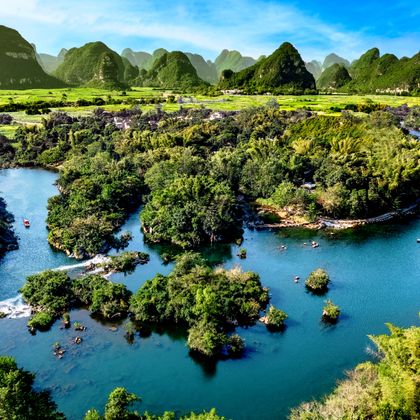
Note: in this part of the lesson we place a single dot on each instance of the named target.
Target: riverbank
(8, 238)
(339, 224)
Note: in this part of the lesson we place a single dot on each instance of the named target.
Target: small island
(318, 281)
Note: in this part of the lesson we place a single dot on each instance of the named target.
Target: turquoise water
(375, 274)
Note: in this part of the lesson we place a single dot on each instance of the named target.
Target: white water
(97, 259)
(16, 308)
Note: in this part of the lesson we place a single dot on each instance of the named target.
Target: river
(375, 275)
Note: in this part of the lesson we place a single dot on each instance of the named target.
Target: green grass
(8, 130)
(319, 103)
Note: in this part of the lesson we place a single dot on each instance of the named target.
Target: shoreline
(337, 224)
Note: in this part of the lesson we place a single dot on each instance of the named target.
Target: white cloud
(252, 27)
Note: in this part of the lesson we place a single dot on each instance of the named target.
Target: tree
(276, 318)
(330, 312)
(117, 407)
(18, 399)
(190, 211)
(318, 281)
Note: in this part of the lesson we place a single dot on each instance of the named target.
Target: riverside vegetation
(19, 400)
(387, 388)
(8, 240)
(195, 173)
(208, 303)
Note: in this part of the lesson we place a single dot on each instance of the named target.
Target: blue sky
(253, 27)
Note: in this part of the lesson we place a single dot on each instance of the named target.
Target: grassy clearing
(318, 103)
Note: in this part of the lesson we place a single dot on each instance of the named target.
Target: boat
(26, 223)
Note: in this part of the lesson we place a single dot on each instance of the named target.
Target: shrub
(276, 318)
(41, 321)
(126, 262)
(205, 339)
(330, 312)
(50, 291)
(242, 253)
(235, 345)
(318, 281)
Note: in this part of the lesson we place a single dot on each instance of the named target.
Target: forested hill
(173, 71)
(282, 72)
(19, 68)
(373, 73)
(95, 65)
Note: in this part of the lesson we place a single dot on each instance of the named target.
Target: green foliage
(94, 65)
(207, 301)
(119, 406)
(282, 72)
(412, 120)
(330, 312)
(50, 291)
(205, 338)
(333, 77)
(97, 195)
(8, 239)
(18, 399)
(126, 262)
(41, 321)
(190, 211)
(200, 171)
(118, 403)
(388, 389)
(276, 318)
(110, 300)
(290, 196)
(172, 70)
(235, 345)
(386, 74)
(318, 281)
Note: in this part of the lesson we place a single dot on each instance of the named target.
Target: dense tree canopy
(19, 400)
(190, 211)
(195, 172)
(206, 301)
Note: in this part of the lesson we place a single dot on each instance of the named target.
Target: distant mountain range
(373, 73)
(95, 64)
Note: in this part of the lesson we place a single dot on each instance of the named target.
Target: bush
(49, 291)
(126, 262)
(208, 302)
(318, 281)
(41, 321)
(386, 389)
(110, 300)
(205, 339)
(276, 318)
(235, 345)
(242, 253)
(330, 312)
(18, 398)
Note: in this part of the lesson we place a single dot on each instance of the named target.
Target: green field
(318, 103)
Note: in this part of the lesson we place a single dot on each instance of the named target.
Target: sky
(253, 27)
